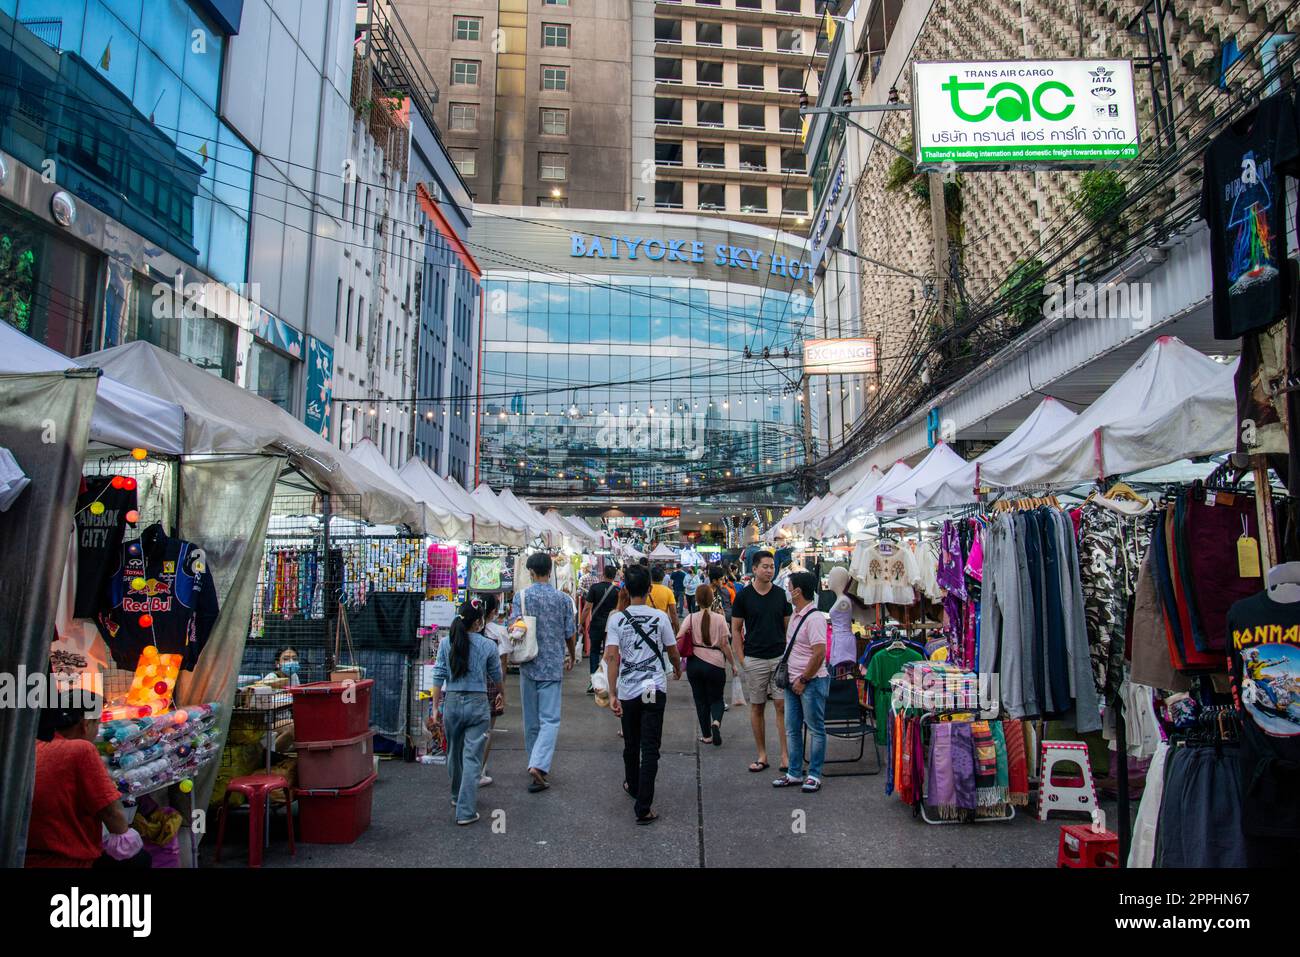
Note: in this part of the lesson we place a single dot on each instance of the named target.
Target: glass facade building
(609, 370)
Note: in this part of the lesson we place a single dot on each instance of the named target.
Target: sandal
(811, 785)
(758, 766)
(785, 781)
(648, 819)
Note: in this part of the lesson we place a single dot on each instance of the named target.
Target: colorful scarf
(1017, 763)
(940, 785)
(963, 766)
(986, 765)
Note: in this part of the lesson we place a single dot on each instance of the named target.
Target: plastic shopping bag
(737, 691)
(600, 683)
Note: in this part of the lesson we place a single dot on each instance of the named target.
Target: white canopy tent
(864, 504)
(439, 521)
(513, 511)
(834, 522)
(438, 491)
(811, 517)
(124, 416)
(1173, 403)
(662, 553)
(582, 533)
(221, 417)
(939, 461)
(561, 535)
(792, 517)
(957, 487)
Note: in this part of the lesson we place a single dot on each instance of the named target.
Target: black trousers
(708, 685)
(643, 728)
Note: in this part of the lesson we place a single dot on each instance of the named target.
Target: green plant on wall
(902, 177)
(1022, 290)
(1100, 197)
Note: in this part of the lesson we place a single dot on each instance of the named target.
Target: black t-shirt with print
(601, 605)
(764, 617)
(1243, 200)
(99, 536)
(1264, 656)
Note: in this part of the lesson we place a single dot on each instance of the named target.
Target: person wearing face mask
(468, 663)
(73, 798)
(287, 666)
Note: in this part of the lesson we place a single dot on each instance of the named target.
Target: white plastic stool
(1057, 797)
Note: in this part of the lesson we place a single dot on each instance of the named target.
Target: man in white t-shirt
(639, 650)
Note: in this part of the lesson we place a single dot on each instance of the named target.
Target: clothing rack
(931, 717)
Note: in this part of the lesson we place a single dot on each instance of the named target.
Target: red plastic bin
(320, 712)
(335, 764)
(335, 815)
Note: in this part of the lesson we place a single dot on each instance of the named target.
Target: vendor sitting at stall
(286, 670)
(73, 798)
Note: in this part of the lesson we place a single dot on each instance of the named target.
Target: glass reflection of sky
(567, 358)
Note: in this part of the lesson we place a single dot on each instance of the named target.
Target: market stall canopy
(431, 487)
(939, 461)
(1046, 422)
(438, 520)
(834, 521)
(864, 503)
(221, 417)
(810, 521)
(663, 553)
(124, 416)
(579, 531)
(558, 534)
(1173, 403)
(792, 517)
(533, 523)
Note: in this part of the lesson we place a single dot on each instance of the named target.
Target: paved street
(713, 812)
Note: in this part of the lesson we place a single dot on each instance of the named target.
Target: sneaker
(485, 780)
(786, 781)
(468, 820)
(811, 784)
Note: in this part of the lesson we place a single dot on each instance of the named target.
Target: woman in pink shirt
(810, 682)
(705, 668)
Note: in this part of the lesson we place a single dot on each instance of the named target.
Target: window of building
(668, 31)
(553, 166)
(752, 116)
(789, 79)
(789, 41)
(749, 38)
(708, 113)
(555, 122)
(794, 201)
(668, 153)
(793, 161)
(464, 72)
(555, 3)
(789, 6)
(555, 78)
(553, 202)
(668, 70)
(790, 120)
(466, 162)
(270, 375)
(709, 3)
(467, 28)
(753, 199)
(555, 35)
(749, 76)
(712, 196)
(347, 320)
(338, 310)
(668, 111)
(753, 158)
(463, 117)
(710, 155)
(708, 34)
(668, 195)
(749, 4)
(708, 73)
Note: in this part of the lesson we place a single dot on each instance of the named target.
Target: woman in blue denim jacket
(467, 662)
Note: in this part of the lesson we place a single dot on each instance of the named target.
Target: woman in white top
(496, 693)
(705, 668)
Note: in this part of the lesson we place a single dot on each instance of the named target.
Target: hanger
(1124, 491)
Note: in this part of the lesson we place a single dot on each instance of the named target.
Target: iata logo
(1100, 79)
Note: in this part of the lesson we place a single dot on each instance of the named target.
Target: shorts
(759, 679)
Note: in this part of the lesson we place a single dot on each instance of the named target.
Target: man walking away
(639, 647)
(541, 680)
(661, 596)
(678, 578)
(758, 622)
(602, 598)
(810, 682)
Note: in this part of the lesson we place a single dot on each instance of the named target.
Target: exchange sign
(839, 356)
(1004, 114)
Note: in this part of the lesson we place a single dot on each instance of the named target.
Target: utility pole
(939, 228)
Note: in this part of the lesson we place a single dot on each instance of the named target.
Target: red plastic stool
(257, 789)
(1081, 846)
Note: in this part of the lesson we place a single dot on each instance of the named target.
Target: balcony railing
(711, 124)
(665, 204)
(703, 165)
(664, 162)
(717, 83)
(666, 122)
(668, 79)
(674, 40)
(748, 46)
(751, 86)
(753, 209)
(753, 126)
(712, 207)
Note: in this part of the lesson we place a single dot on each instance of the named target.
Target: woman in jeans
(467, 664)
(705, 668)
(495, 630)
(809, 683)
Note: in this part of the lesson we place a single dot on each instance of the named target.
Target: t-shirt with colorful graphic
(1264, 655)
(161, 594)
(1243, 200)
(99, 535)
(884, 664)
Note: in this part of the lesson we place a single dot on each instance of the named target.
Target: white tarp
(1046, 422)
(940, 460)
(124, 416)
(792, 517)
(835, 521)
(220, 417)
(440, 492)
(1173, 403)
(809, 522)
(561, 535)
(864, 503)
(438, 521)
(534, 524)
(663, 553)
(580, 530)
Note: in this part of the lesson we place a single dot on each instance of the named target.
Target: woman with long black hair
(467, 663)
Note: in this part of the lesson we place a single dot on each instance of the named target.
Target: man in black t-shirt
(758, 622)
(602, 598)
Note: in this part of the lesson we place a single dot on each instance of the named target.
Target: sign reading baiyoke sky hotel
(695, 251)
(1000, 114)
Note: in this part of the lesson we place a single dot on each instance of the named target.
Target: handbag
(782, 676)
(687, 641)
(523, 634)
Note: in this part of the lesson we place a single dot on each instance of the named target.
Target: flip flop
(648, 819)
(757, 767)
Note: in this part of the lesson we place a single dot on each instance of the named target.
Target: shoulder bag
(782, 677)
(523, 634)
(687, 641)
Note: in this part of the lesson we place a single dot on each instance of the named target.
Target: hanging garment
(927, 565)
(1142, 852)
(1141, 726)
(1200, 814)
(889, 573)
(1017, 763)
(1087, 706)
(1151, 664)
(986, 765)
(1006, 614)
(101, 519)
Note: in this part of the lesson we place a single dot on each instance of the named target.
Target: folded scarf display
(940, 785)
(1017, 763)
(986, 765)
